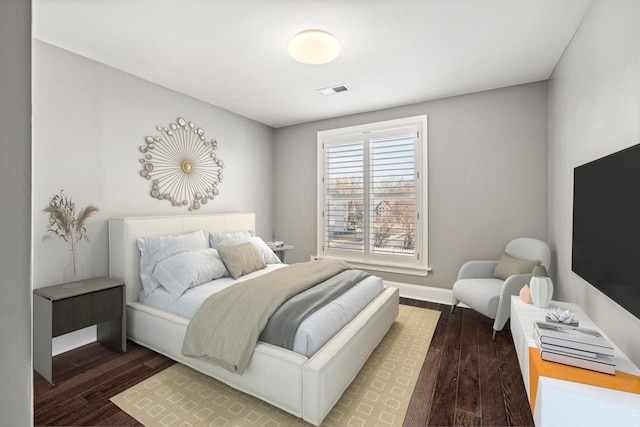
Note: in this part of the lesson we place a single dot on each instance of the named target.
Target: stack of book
(570, 345)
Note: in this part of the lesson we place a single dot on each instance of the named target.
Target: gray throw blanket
(283, 324)
(225, 329)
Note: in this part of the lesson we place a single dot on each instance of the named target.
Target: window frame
(417, 264)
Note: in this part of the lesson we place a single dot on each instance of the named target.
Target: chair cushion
(508, 266)
(482, 295)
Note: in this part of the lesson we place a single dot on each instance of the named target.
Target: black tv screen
(606, 226)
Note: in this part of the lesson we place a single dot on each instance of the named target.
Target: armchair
(488, 290)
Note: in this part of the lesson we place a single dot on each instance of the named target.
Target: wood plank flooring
(467, 379)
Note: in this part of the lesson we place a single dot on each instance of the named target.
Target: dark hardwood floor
(467, 379)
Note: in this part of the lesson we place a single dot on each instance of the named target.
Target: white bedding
(312, 334)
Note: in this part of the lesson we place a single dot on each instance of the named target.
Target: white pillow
(156, 248)
(263, 249)
(219, 240)
(269, 256)
(189, 269)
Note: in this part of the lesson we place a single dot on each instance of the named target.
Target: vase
(541, 288)
(525, 294)
(73, 271)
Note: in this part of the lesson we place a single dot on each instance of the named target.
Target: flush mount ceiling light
(314, 47)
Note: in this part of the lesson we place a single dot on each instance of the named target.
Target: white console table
(564, 403)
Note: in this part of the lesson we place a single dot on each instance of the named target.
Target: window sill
(377, 266)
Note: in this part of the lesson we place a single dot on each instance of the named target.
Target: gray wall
(16, 390)
(487, 176)
(594, 110)
(89, 122)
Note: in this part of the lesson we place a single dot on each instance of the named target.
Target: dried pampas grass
(63, 221)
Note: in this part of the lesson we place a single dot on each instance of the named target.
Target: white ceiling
(233, 53)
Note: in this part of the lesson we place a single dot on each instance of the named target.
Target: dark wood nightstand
(64, 308)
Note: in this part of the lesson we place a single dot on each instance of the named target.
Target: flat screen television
(606, 226)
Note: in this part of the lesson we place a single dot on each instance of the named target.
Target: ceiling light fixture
(314, 47)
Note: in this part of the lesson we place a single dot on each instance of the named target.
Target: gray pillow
(242, 259)
(189, 269)
(508, 266)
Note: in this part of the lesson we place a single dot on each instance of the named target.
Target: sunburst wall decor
(182, 165)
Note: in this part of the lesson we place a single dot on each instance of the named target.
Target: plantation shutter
(375, 170)
(392, 194)
(371, 193)
(344, 195)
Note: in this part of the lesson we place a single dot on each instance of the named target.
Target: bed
(307, 387)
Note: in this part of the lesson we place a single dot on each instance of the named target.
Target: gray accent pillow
(242, 259)
(508, 266)
(189, 269)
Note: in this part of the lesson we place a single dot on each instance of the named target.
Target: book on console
(600, 363)
(573, 337)
(561, 349)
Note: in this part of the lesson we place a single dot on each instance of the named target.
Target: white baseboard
(424, 293)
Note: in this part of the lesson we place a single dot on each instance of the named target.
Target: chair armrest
(477, 269)
(511, 286)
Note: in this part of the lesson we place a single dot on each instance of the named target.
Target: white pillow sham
(189, 269)
(219, 240)
(154, 249)
(269, 256)
(263, 249)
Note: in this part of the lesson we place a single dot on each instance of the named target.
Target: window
(372, 195)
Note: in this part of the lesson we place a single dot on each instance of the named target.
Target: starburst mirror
(182, 165)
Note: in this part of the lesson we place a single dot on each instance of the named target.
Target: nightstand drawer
(71, 314)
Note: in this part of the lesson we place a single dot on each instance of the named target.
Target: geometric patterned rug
(378, 396)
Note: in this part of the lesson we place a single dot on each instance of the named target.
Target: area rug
(379, 395)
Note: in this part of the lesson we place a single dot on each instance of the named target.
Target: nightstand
(68, 307)
(280, 250)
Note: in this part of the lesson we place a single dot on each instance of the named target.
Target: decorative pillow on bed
(263, 249)
(219, 240)
(508, 266)
(189, 269)
(242, 259)
(154, 249)
(267, 254)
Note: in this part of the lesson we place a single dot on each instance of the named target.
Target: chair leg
(453, 307)
(493, 337)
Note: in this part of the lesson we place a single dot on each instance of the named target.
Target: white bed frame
(305, 387)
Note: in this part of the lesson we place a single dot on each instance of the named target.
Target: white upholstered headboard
(124, 256)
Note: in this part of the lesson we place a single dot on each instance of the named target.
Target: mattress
(313, 333)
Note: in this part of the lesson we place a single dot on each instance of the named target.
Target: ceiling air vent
(333, 89)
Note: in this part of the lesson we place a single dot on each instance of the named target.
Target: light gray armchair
(488, 290)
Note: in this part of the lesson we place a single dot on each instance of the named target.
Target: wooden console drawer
(71, 314)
